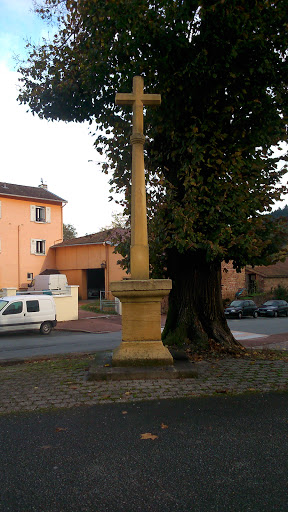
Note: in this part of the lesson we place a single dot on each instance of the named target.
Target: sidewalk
(62, 382)
(92, 322)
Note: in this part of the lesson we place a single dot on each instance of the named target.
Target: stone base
(141, 322)
(141, 353)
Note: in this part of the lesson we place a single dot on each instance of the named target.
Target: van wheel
(46, 328)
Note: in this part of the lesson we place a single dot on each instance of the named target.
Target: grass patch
(247, 354)
(55, 364)
(94, 307)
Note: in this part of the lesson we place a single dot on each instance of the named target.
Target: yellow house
(31, 221)
(89, 262)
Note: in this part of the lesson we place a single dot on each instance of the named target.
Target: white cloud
(58, 152)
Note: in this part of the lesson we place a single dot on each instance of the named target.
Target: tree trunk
(196, 314)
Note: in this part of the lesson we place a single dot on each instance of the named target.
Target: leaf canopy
(221, 69)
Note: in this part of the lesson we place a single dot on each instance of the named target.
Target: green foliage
(221, 68)
(94, 307)
(212, 176)
(69, 232)
(280, 293)
(280, 212)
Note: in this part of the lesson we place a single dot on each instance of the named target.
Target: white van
(54, 282)
(20, 312)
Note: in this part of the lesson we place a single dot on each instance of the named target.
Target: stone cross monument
(139, 251)
(140, 296)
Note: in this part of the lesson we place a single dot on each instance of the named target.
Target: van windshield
(3, 303)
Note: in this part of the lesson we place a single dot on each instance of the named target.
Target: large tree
(221, 68)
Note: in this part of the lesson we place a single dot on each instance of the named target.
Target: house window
(29, 276)
(38, 246)
(40, 213)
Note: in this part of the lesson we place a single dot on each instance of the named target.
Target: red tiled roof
(279, 269)
(9, 189)
(96, 238)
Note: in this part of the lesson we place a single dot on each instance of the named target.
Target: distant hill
(281, 212)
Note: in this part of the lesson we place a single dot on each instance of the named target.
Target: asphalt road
(20, 345)
(263, 325)
(31, 344)
(217, 454)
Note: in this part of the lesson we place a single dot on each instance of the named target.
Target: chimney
(43, 185)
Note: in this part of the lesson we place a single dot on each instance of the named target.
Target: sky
(56, 152)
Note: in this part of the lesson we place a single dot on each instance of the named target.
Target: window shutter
(48, 214)
(32, 212)
(33, 246)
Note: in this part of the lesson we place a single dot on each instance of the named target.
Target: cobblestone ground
(44, 385)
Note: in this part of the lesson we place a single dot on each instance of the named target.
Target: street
(20, 345)
(218, 454)
(31, 344)
(263, 325)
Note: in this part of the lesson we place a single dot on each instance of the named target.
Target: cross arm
(130, 97)
(151, 99)
(124, 98)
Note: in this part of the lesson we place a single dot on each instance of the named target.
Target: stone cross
(139, 250)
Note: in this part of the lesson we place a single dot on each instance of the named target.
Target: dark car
(239, 308)
(273, 308)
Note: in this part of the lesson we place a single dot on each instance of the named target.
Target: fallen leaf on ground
(124, 412)
(148, 435)
(61, 429)
(163, 425)
(46, 447)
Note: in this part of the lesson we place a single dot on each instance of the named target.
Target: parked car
(239, 308)
(274, 308)
(20, 312)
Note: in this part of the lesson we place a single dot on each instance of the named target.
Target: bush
(280, 293)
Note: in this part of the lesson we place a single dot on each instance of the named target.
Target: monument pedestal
(141, 322)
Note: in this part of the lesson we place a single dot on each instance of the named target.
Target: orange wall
(75, 260)
(16, 232)
(78, 277)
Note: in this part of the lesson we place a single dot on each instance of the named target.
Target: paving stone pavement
(42, 385)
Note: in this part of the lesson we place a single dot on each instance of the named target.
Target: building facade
(266, 279)
(89, 262)
(31, 221)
